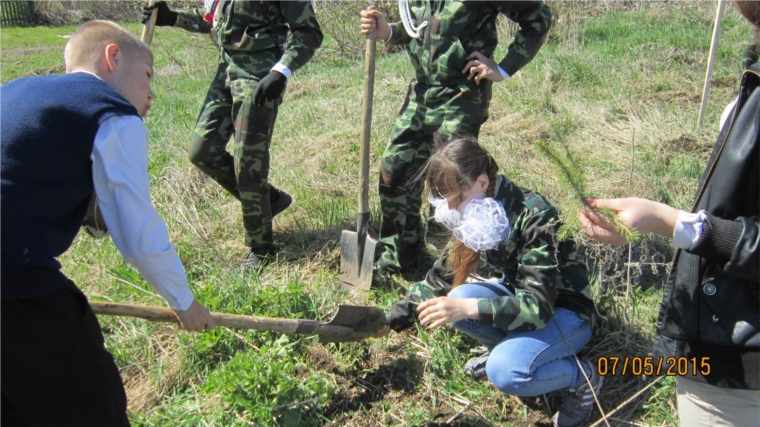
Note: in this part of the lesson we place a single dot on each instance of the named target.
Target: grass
(601, 78)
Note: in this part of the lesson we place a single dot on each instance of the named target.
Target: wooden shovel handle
(162, 314)
(147, 32)
(369, 88)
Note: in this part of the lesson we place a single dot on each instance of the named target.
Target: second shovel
(357, 248)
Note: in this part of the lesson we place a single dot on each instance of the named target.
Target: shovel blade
(356, 258)
(365, 322)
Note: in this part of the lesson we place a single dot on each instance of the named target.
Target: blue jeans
(528, 363)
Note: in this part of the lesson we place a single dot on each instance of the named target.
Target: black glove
(165, 17)
(270, 88)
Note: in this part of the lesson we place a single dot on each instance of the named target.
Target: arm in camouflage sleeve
(307, 36)
(398, 34)
(192, 20)
(533, 305)
(534, 19)
(403, 314)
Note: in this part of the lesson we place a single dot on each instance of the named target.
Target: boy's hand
(482, 67)
(196, 318)
(270, 88)
(165, 17)
(374, 20)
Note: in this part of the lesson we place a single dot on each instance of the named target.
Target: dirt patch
(724, 82)
(172, 69)
(686, 144)
(299, 89)
(142, 390)
(673, 96)
(322, 359)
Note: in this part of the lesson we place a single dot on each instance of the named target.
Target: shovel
(150, 26)
(351, 323)
(357, 248)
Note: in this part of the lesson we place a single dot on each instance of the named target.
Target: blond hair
(87, 44)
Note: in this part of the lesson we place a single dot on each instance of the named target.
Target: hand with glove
(269, 88)
(165, 17)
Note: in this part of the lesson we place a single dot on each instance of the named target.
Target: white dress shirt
(120, 174)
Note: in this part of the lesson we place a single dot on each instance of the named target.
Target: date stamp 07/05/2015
(652, 366)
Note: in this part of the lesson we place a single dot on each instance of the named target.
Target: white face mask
(480, 222)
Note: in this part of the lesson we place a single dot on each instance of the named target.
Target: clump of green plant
(271, 384)
(571, 176)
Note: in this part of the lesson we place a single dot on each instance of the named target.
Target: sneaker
(279, 201)
(259, 258)
(578, 403)
(475, 368)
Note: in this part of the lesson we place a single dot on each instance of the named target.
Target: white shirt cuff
(688, 229)
(503, 73)
(285, 71)
(390, 34)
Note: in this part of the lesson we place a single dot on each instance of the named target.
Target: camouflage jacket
(542, 272)
(455, 29)
(249, 26)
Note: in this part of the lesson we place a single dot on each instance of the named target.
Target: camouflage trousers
(427, 111)
(229, 111)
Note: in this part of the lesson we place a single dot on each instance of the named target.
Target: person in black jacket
(710, 314)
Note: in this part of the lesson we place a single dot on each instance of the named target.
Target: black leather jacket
(711, 306)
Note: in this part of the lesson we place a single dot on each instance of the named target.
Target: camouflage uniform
(250, 36)
(528, 262)
(441, 99)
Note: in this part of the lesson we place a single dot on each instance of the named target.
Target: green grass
(602, 82)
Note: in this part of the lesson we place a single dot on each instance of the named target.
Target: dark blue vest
(47, 129)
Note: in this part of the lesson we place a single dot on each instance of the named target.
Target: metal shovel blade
(364, 321)
(356, 257)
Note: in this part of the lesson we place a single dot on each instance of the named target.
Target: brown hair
(750, 10)
(89, 42)
(452, 169)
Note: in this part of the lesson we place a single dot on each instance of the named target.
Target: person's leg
(536, 362)
(488, 336)
(706, 405)
(464, 109)
(400, 199)
(253, 134)
(56, 369)
(212, 133)
(454, 110)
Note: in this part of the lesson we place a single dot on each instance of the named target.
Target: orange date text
(652, 366)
